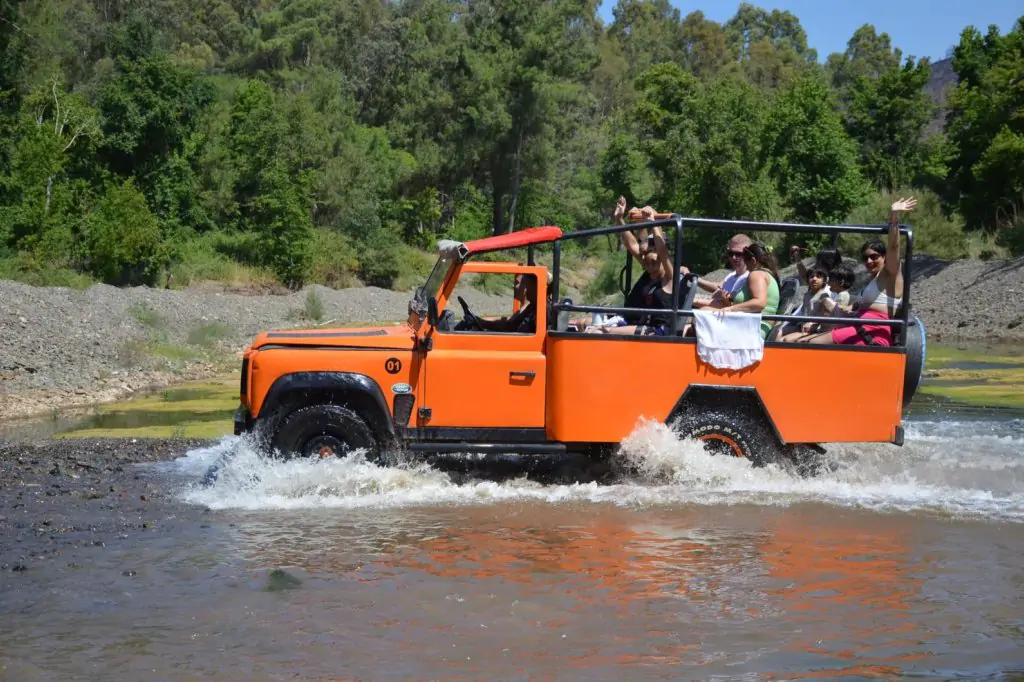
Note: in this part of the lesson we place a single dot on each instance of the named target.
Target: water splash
(971, 469)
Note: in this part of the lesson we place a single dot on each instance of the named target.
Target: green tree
(986, 129)
(271, 193)
(122, 236)
(810, 156)
(771, 46)
(887, 117)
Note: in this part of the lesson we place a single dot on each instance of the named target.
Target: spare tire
(916, 354)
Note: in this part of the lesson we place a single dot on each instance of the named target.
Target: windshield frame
(430, 288)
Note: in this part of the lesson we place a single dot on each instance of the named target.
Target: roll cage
(538, 236)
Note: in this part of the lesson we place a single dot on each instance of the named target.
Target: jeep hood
(397, 337)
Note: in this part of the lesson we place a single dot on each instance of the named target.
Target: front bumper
(243, 421)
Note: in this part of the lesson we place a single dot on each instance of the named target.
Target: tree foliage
(135, 136)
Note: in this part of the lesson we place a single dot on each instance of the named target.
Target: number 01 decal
(392, 365)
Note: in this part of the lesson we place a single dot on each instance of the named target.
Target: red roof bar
(533, 235)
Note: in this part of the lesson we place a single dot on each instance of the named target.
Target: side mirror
(432, 311)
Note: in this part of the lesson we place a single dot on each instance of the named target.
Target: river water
(898, 562)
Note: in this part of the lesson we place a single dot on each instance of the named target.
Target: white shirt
(734, 283)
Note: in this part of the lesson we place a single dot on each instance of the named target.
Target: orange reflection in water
(849, 592)
(829, 590)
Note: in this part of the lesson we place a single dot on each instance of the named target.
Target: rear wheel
(324, 431)
(731, 435)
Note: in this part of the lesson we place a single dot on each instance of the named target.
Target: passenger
(722, 292)
(653, 290)
(840, 280)
(816, 278)
(760, 292)
(882, 297)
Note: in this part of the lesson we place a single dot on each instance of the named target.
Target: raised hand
(904, 205)
(620, 209)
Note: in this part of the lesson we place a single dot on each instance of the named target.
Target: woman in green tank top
(760, 294)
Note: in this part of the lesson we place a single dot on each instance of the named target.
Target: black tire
(917, 351)
(735, 435)
(323, 430)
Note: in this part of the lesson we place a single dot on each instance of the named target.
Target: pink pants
(848, 336)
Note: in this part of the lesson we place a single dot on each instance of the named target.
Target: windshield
(432, 286)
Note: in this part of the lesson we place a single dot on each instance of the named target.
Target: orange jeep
(533, 385)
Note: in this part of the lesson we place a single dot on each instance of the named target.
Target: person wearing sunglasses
(723, 292)
(883, 295)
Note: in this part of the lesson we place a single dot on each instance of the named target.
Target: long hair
(763, 257)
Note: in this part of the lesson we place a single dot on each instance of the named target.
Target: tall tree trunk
(515, 183)
(49, 193)
(497, 216)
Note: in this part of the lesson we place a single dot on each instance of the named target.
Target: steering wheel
(469, 320)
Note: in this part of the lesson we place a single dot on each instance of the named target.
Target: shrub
(935, 233)
(334, 261)
(314, 307)
(147, 316)
(24, 267)
(123, 237)
(605, 282)
(200, 259)
(208, 334)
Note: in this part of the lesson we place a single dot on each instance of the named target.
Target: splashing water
(968, 469)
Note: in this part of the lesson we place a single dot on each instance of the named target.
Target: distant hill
(942, 80)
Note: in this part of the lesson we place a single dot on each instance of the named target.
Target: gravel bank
(64, 348)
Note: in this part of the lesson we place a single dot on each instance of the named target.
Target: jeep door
(492, 379)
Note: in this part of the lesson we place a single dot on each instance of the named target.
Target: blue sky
(923, 28)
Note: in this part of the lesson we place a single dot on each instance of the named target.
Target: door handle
(524, 375)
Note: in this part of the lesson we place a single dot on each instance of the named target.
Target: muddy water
(898, 561)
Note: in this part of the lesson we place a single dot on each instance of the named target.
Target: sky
(923, 28)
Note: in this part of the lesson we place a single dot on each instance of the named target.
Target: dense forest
(332, 141)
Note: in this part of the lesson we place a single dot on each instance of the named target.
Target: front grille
(244, 386)
(402, 408)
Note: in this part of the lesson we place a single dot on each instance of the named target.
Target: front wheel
(324, 431)
(734, 436)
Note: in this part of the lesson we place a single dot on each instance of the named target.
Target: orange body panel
(586, 388)
(327, 354)
(599, 387)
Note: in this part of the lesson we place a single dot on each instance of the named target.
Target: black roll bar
(680, 222)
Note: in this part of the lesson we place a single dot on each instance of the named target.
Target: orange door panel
(485, 388)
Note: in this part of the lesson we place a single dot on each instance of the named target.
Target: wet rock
(279, 580)
(19, 568)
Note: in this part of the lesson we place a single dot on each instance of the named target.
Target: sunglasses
(870, 257)
(734, 254)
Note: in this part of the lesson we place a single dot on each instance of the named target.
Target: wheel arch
(741, 399)
(358, 392)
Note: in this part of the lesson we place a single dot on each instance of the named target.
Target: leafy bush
(605, 283)
(334, 260)
(1012, 236)
(208, 334)
(24, 267)
(144, 313)
(123, 237)
(314, 308)
(200, 260)
(935, 233)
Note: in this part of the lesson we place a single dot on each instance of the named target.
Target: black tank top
(637, 298)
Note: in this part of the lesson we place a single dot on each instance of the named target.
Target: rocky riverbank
(63, 348)
(61, 498)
